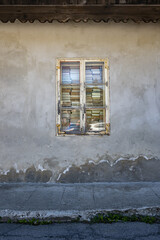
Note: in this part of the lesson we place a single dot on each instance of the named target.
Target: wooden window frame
(82, 62)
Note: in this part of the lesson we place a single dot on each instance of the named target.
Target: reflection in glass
(70, 73)
(70, 96)
(95, 120)
(70, 121)
(94, 73)
(94, 95)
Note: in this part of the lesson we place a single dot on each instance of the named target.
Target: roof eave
(49, 13)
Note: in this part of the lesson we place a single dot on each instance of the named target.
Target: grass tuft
(112, 218)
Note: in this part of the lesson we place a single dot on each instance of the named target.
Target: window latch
(59, 107)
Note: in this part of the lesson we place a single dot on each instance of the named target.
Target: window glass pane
(95, 120)
(95, 95)
(94, 73)
(70, 121)
(70, 73)
(70, 96)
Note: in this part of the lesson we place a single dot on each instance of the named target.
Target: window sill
(83, 134)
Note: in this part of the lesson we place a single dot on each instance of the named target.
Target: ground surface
(51, 200)
(78, 231)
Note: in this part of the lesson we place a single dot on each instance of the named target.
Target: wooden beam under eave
(50, 13)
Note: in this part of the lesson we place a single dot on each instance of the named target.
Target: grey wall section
(29, 149)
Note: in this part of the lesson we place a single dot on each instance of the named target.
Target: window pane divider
(94, 107)
(62, 84)
(70, 108)
(58, 95)
(106, 72)
(82, 96)
(95, 84)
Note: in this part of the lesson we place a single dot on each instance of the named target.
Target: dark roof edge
(49, 13)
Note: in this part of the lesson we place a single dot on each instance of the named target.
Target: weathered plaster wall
(28, 144)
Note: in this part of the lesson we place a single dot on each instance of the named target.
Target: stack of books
(74, 117)
(94, 74)
(70, 75)
(89, 79)
(94, 116)
(94, 96)
(66, 115)
(75, 97)
(66, 75)
(66, 97)
(70, 117)
(70, 97)
(74, 75)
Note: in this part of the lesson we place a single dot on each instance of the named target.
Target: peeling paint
(4, 172)
(16, 168)
(139, 168)
(131, 159)
(59, 176)
(64, 172)
(101, 161)
(112, 163)
(41, 168)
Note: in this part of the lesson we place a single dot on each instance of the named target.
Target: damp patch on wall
(29, 175)
(123, 170)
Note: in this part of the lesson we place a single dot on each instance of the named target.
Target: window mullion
(107, 97)
(58, 120)
(82, 95)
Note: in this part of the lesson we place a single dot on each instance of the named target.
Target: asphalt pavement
(80, 231)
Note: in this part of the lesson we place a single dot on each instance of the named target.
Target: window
(82, 96)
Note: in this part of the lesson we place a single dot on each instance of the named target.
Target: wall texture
(29, 149)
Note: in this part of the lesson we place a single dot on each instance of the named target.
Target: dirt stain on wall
(30, 175)
(140, 169)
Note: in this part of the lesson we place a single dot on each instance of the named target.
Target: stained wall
(31, 151)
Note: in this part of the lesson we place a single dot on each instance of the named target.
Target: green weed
(112, 218)
(9, 221)
(34, 221)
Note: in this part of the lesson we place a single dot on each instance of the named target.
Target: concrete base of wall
(123, 169)
(68, 201)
